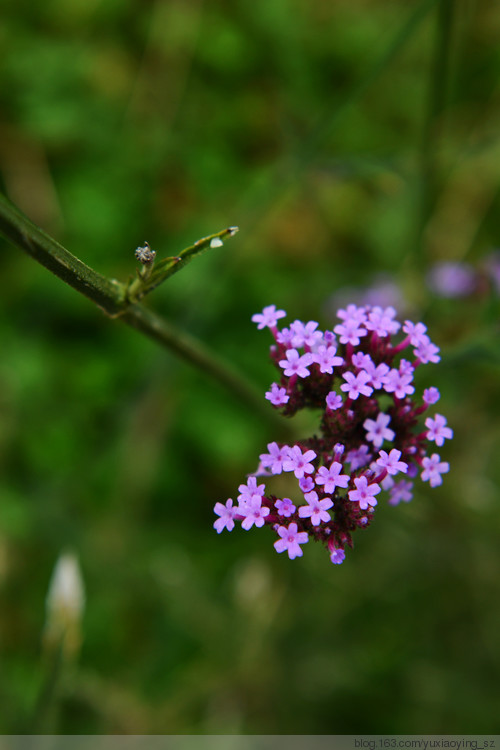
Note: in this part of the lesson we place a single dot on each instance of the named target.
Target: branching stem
(113, 298)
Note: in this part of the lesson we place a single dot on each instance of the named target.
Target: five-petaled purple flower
(331, 478)
(285, 507)
(275, 458)
(277, 396)
(437, 429)
(294, 364)
(254, 513)
(356, 384)
(391, 463)
(316, 509)
(250, 492)
(290, 539)
(377, 430)
(401, 490)
(364, 494)
(327, 359)
(227, 513)
(269, 317)
(433, 468)
(299, 462)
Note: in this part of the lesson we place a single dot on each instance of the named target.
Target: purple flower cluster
(356, 376)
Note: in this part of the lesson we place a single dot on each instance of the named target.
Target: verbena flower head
(373, 439)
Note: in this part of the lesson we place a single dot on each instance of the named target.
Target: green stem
(111, 296)
(189, 348)
(272, 183)
(44, 719)
(326, 127)
(433, 128)
(20, 231)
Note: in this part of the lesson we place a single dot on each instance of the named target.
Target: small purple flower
(401, 491)
(254, 513)
(250, 492)
(306, 484)
(377, 430)
(298, 462)
(406, 368)
(387, 482)
(285, 507)
(364, 494)
(294, 364)
(227, 513)
(358, 457)
(316, 509)
(433, 468)
(390, 462)
(416, 332)
(331, 478)
(377, 374)
(356, 384)
(274, 459)
(399, 383)
(452, 279)
(350, 332)
(290, 540)
(352, 313)
(326, 358)
(285, 337)
(268, 317)
(337, 556)
(427, 352)
(362, 361)
(305, 335)
(437, 429)
(277, 396)
(333, 401)
(431, 395)
(382, 321)
(338, 451)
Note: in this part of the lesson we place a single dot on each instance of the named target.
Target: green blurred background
(346, 139)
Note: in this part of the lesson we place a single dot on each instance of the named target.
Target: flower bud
(145, 255)
(64, 606)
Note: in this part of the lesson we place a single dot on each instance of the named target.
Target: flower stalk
(120, 300)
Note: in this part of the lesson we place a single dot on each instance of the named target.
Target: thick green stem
(111, 296)
(20, 231)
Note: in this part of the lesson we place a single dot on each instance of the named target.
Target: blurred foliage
(345, 139)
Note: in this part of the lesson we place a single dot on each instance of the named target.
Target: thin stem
(326, 127)
(271, 184)
(111, 296)
(433, 128)
(189, 348)
(44, 719)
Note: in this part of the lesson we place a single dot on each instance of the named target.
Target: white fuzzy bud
(64, 604)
